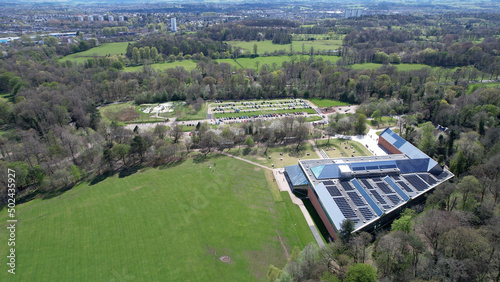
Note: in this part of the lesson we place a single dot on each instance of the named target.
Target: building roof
(363, 189)
(295, 175)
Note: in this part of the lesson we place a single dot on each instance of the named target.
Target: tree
(467, 186)
(428, 142)
(377, 115)
(346, 229)
(405, 222)
(138, 146)
(160, 131)
(255, 49)
(136, 56)
(360, 124)
(249, 141)
(121, 151)
(361, 272)
(176, 132)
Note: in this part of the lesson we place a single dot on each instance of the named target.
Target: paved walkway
(283, 186)
(316, 149)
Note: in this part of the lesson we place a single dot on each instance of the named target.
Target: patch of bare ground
(127, 114)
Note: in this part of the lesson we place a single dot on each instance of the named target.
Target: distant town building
(100, 19)
(352, 13)
(79, 18)
(173, 23)
(120, 18)
(111, 18)
(90, 18)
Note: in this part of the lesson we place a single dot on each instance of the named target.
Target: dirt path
(284, 248)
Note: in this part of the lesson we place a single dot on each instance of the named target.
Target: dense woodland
(55, 136)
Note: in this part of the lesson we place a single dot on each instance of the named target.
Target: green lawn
(159, 225)
(337, 147)
(290, 155)
(473, 87)
(187, 64)
(385, 122)
(268, 46)
(327, 102)
(104, 49)
(313, 118)
(400, 67)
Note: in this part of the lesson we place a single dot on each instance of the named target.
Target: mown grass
(327, 102)
(159, 225)
(474, 86)
(384, 122)
(290, 154)
(336, 147)
(102, 50)
(267, 45)
(187, 64)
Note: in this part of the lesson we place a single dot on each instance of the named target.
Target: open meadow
(336, 148)
(102, 50)
(213, 219)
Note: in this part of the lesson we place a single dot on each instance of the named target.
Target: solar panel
(358, 168)
(367, 197)
(328, 182)
(346, 185)
(371, 167)
(334, 191)
(416, 182)
(367, 184)
(387, 207)
(396, 177)
(427, 178)
(344, 207)
(367, 213)
(376, 179)
(387, 166)
(378, 197)
(384, 188)
(405, 187)
(442, 175)
(394, 199)
(356, 199)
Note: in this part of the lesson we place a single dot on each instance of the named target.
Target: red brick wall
(321, 213)
(388, 146)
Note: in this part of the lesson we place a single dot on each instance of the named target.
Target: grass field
(183, 112)
(400, 67)
(187, 64)
(327, 102)
(99, 51)
(159, 225)
(126, 113)
(337, 147)
(268, 46)
(385, 122)
(473, 87)
(290, 155)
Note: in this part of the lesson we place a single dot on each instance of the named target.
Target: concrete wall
(321, 213)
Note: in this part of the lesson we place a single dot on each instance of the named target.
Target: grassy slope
(339, 146)
(99, 51)
(161, 224)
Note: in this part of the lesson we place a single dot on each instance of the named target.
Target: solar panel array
(334, 191)
(367, 184)
(442, 175)
(396, 177)
(346, 185)
(427, 178)
(405, 187)
(356, 199)
(327, 182)
(384, 188)
(367, 213)
(344, 207)
(416, 182)
(378, 197)
(394, 199)
(387, 207)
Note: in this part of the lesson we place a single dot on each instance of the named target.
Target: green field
(337, 147)
(327, 102)
(384, 122)
(126, 113)
(102, 50)
(473, 87)
(187, 64)
(290, 155)
(400, 67)
(159, 225)
(183, 112)
(268, 46)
